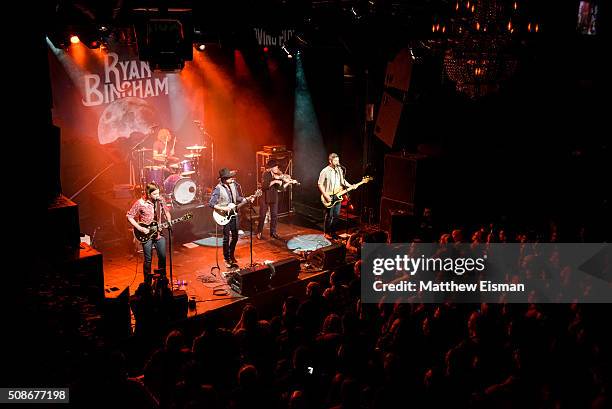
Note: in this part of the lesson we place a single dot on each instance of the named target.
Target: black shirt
(270, 194)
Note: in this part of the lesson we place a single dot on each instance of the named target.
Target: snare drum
(183, 189)
(186, 167)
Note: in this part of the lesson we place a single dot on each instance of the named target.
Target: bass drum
(182, 189)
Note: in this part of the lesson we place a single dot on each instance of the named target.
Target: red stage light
(265, 49)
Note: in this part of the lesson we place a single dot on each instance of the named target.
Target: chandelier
(478, 44)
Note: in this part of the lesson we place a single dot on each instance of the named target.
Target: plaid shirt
(143, 211)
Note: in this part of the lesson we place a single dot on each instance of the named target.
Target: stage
(193, 264)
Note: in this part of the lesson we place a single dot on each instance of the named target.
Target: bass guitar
(337, 195)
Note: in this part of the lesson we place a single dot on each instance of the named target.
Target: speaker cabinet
(179, 305)
(399, 71)
(284, 271)
(390, 208)
(411, 179)
(63, 220)
(250, 281)
(388, 118)
(328, 258)
(88, 271)
(116, 312)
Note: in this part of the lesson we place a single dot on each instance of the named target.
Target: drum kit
(179, 180)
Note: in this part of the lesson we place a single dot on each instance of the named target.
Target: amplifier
(274, 148)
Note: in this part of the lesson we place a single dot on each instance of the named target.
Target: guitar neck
(355, 186)
(171, 222)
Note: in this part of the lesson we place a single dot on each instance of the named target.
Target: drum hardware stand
(251, 213)
(141, 160)
(212, 150)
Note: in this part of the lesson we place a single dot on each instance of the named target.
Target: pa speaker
(399, 71)
(116, 312)
(390, 208)
(388, 118)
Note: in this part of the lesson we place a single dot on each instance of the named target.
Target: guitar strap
(335, 178)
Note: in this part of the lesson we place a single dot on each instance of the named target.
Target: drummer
(163, 147)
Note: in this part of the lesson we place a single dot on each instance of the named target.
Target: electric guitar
(337, 195)
(223, 217)
(154, 228)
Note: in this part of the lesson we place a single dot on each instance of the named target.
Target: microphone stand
(169, 248)
(251, 211)
(346, 221)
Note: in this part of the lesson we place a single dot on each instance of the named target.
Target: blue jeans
(160, 249)
(331, 218)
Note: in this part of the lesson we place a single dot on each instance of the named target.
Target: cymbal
(195, 147)
(154, 167)
(192, 155)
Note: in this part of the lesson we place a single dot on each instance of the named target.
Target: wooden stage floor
(193, 265)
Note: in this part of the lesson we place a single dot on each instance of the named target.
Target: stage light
(265, 49)
(200, 46)
(74, 39)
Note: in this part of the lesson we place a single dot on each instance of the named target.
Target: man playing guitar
(146, 210)
(331, 179)
(225, 197)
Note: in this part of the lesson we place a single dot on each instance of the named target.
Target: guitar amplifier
(274, 148)
(251, 280)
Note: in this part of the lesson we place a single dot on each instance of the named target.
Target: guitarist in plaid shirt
(145, 210)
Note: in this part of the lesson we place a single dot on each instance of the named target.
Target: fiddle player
(271, 182)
